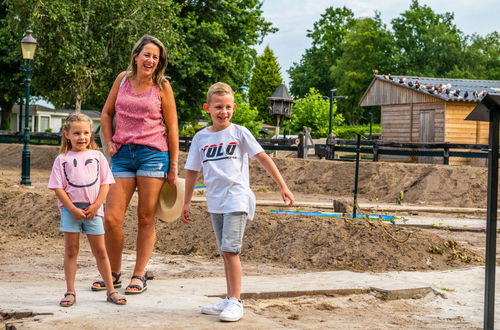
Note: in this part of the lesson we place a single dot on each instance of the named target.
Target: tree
(246, 115)
(265, 79)
(84, 44)
(10, 61)
(427, 43)
(313, 70)
(481, 60)
(219, 36)
(313, 111)
(368, 45)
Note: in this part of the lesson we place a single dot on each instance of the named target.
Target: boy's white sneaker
(215, 309)
(233, 311)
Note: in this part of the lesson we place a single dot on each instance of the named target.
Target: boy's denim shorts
(229, 229)
(138, 160)
(87, 226)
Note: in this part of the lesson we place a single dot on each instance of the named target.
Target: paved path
(175, 303)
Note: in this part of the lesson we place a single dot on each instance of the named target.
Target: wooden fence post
(375, 152)
(446, 156)
(300, 147)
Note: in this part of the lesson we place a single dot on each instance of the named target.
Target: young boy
(222, 150)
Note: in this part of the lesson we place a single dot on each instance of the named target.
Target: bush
(350, 132)
(313, 111)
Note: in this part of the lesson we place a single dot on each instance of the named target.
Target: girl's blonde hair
(159, 74)
(219, 88)
(72, 118)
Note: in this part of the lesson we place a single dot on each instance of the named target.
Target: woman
(143, 155)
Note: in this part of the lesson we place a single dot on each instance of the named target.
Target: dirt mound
(302, 242)
(461, 186)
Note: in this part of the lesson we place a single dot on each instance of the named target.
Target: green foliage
(345, 51)
(481, 60)
(83, 45)
(190, 130)
(351, 132)
(367, 45)
(314, 67)
(219, 36)
(265, 79)
(11, 86)
(427, 43)
(246, 115)
(313, 111)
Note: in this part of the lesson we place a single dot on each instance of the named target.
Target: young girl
(80, 178)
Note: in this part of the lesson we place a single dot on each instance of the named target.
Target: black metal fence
(377, 148)
(372, 148)
(41, 138)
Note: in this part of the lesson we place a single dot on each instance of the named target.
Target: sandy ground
(276, 246)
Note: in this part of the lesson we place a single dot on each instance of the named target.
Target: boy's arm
(91, 210)
(267, 163)
(77, 213)
(189, 182)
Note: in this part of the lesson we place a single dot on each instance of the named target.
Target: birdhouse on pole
(280, 104)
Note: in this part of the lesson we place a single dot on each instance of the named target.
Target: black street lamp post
(331, 139)
(28, 45)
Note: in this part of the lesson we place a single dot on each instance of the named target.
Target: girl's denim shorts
(93, 226)
(139, 160)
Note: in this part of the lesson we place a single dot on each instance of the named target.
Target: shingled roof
(445, 88)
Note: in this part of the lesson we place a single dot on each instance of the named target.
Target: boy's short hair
(219, 88)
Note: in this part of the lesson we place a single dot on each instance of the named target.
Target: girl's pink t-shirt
(139, 118)
(80, 175)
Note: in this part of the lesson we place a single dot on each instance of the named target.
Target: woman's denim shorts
(138, 160)
(229, 229)
(93, 226)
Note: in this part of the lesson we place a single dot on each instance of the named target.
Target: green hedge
(350, 132)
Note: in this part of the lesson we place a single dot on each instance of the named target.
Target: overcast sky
(294, 17)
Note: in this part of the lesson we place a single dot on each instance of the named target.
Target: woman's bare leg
(149, 190)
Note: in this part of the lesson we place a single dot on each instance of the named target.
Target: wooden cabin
(415, 109)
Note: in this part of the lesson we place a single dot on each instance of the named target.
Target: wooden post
(446, 156)
(300, 147)
(375, 152)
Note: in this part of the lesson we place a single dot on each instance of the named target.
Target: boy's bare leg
(71, 248)
(117, 201)
(232, 265)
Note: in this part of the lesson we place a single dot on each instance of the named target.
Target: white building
(46, 119)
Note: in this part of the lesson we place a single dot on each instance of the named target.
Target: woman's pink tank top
(139, 118)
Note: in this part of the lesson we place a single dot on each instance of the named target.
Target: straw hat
(170, 201)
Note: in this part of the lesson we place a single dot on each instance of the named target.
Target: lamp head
(28, 45)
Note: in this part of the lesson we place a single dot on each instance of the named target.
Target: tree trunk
(6, 115)
(78, 105)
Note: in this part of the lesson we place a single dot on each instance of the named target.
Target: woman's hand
(111, 148)
(173, 173)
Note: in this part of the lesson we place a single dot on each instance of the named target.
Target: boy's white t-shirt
(81, 175)
(223, 155)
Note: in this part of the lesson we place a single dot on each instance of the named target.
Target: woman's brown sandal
(101, 286)
(117, 298)
(68, 302)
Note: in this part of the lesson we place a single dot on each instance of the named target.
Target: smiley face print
(81, 174)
